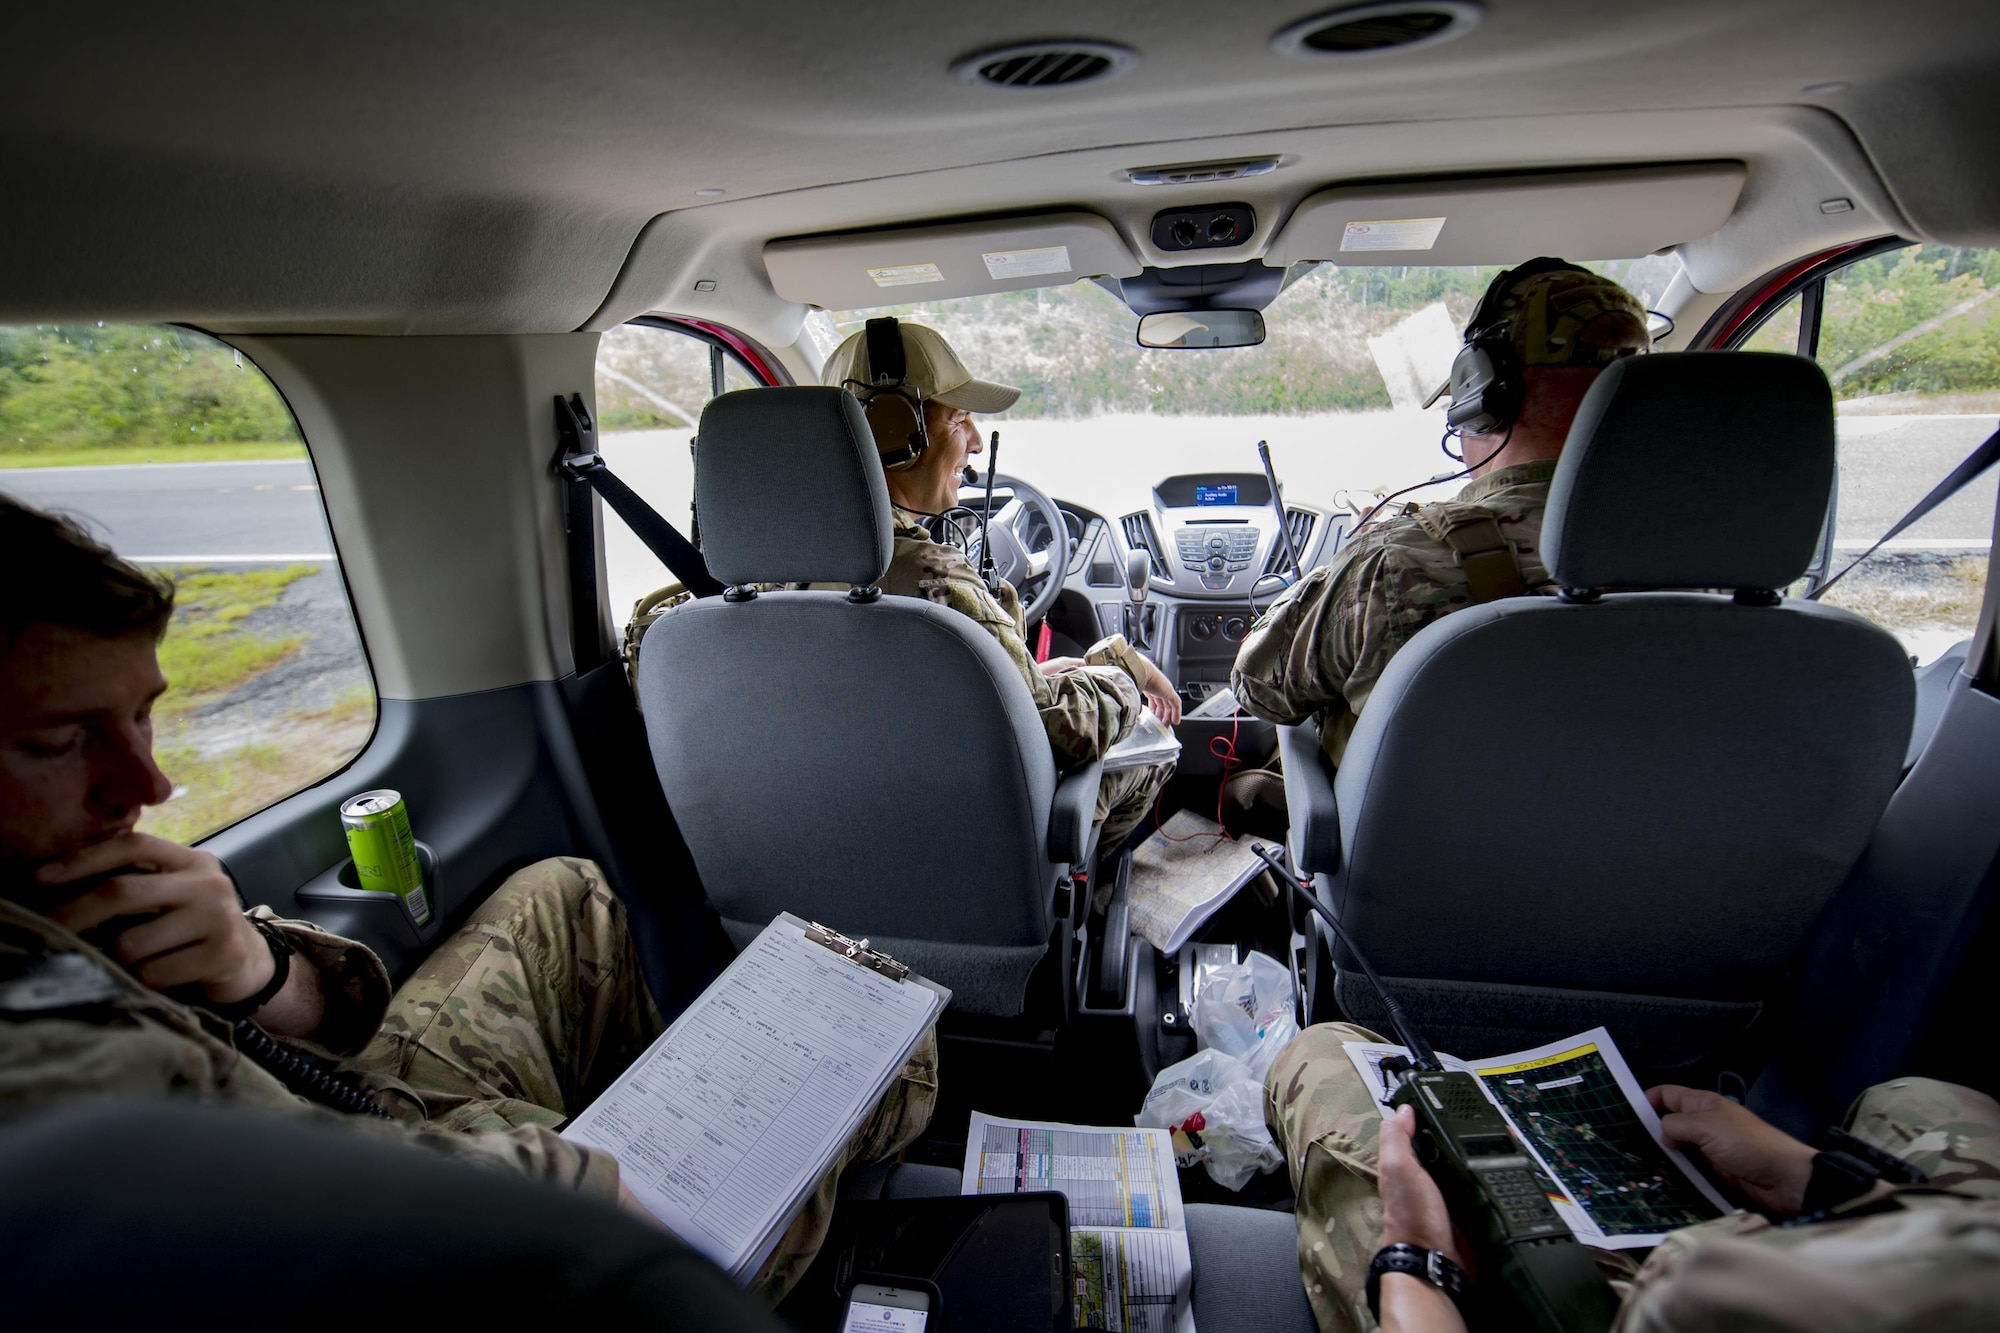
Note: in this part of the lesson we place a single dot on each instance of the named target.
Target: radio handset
(1533, 1272)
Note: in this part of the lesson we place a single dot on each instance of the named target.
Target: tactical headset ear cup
(1486, 388)
(897, 422)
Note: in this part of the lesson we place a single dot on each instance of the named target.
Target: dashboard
(1213, 543)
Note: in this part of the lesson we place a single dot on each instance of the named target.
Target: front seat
(1622, 807)
(873, 763)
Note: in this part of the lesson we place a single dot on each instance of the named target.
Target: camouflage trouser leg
(1124, 799)
(537, 1004)
(1327, 1122)
(524, 1015)
(1950, 1133)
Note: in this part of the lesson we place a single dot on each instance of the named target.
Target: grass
(119, 455)
(207, 652)
(1941, 596)
(220, 789)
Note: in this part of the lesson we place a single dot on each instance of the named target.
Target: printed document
(1128, 1235)
(1585, 1121)
(726, 1123)
(1182, 875)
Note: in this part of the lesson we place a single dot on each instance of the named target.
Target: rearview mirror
(1202, 328)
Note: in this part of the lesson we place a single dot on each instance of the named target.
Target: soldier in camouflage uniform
(124, 958)
(1087, 704)
(1320, 647)
(1898, 1256)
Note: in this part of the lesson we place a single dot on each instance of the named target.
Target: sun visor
(1616, 214)
(857, 270)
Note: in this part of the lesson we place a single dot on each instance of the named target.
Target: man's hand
(1767, 1165)
(1161, 696)
(1413, 1213)
(194, 934)
(1055, 666)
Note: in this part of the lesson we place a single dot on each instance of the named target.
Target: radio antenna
(986, 574)
(1278, 500)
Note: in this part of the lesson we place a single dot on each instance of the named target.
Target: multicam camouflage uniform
(1319, 649)
(512, 1026)
(1920, 1256)
(1085, 710)
(1321, 646)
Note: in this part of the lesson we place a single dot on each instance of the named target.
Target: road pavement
(189, 513)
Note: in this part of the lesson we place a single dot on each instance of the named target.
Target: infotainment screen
(1215, 495)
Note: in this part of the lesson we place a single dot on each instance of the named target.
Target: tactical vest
(1491, 563)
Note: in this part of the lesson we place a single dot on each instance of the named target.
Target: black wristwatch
(281, 970)
(1430, 1265)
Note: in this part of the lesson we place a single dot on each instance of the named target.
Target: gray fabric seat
(1625, 808)
(876, 764)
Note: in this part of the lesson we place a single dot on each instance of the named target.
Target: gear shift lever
(1138, 579)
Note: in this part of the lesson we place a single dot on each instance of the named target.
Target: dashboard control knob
(1217, 563)
(1202, 628)
(1234, 628)
(1184, 233)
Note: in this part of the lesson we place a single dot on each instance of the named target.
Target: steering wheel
(1012, 559)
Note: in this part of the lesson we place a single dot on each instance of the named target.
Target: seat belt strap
(579, 462)
(1492, 566)
(1980, 459)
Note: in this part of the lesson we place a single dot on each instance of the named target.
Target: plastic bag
(1214, 1107)
(1149, 742)
(1247, 1010)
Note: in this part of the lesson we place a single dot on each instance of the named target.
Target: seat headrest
(789, 489)
(1693, 470)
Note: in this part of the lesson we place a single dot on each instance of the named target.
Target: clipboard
(727, 1123)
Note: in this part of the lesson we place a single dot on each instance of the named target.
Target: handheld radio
(1533, 1272)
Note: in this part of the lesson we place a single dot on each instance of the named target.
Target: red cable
(1230, 763)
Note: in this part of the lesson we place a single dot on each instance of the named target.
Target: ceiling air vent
(1036, 65)
(1363, 30)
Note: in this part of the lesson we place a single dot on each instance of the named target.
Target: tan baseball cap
(932, 371)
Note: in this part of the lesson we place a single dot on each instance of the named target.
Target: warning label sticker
(905, 275)
(1392, 234)
(1004, 264)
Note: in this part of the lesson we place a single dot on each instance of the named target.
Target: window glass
(651, 386)
(1778, 333)
(1337, 388)
(175, 450)
(1911, 341)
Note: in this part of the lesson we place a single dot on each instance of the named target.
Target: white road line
(310, 558)
(112, 467)
(1915, 544)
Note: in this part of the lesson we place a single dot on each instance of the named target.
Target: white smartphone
(875, 1307)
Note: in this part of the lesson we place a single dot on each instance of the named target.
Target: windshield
(1336, 388)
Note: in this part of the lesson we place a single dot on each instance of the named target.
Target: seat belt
(578, 461)
(1985, 456)
(1492, 566)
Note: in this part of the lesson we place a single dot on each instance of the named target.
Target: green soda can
(384, 849)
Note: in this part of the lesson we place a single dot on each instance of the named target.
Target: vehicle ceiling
(468, 166)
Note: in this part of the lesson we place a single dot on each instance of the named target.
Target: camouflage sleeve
(1113, 650)
(1085, 710)
(1327, 638)
(644, 612)
(351, 977)
(1280, 673)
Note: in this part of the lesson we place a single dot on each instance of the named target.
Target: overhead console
(857, 270)
(1611, 214)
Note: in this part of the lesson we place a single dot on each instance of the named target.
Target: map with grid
(1573, 1111)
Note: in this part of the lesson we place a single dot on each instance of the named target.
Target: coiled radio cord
(301, 1075)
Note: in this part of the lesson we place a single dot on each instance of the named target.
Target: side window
(652, 383)
(1911, 342)
(1779, 332)
(176, 451)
